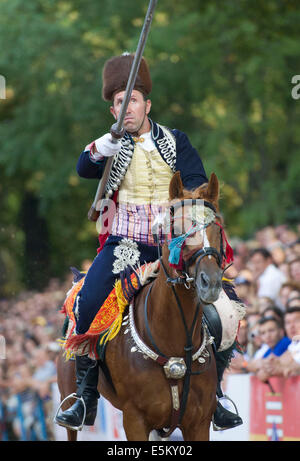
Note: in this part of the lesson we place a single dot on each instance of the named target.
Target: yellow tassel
(224, 279)
(116, 325)
(68, 354)
(61, 342)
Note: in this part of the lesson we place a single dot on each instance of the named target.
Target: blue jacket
(280, 347)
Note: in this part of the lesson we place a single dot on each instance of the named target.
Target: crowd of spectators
(266, 274)
(30, 326)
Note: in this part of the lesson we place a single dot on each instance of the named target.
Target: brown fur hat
(116, 73)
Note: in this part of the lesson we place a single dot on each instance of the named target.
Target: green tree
(221, 72)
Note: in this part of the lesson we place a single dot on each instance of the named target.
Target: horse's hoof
(155, 437)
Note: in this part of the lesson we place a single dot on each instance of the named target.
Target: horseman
(144, 161)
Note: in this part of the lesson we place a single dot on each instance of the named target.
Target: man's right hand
(105, 147)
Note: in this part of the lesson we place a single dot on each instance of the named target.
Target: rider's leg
(223, 418)
(88, 302)
(86, 382)
(98, 284)
(100, 280)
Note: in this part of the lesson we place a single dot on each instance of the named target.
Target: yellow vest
(147, 179)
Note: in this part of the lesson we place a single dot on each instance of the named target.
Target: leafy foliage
(221, 72)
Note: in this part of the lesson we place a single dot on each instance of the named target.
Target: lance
(117, 129)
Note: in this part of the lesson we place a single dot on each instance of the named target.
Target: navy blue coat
(188, 163)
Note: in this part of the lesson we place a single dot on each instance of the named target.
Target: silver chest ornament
(175, 368)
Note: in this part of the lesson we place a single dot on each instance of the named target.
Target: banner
(275, 409)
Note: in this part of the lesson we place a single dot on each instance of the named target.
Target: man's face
(284, 294)
(270, 333)
(135, 119)
(259, 263)
(292, 324)
(295, 271)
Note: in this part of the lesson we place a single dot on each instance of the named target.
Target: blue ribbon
(175, 245)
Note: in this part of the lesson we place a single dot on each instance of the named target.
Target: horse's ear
(213, 188)
(176, 186)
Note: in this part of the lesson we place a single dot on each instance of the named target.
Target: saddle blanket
(108, 320)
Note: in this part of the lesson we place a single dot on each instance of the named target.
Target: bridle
(197, 255)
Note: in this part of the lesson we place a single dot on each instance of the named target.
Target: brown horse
(153, 392)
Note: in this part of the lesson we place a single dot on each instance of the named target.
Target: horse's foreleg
(134, 425)
(72, 435)
(198, 432)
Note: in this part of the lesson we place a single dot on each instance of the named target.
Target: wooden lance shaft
(117, 129)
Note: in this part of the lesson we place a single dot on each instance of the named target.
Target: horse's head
(196, 238)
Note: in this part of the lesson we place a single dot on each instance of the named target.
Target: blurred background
(222, 72)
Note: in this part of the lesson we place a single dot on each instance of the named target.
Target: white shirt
(146, 142)
(261, 352)
(294, 349)
(270, 283)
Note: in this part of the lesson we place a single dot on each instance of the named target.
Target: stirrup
(74, 428)
(226, 397)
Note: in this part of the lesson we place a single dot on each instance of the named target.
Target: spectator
(285, 291)
(288, 364)
(244, 287)
(269, 278)
(250, 346)
(242, 336)
(293, 299)
(260, 304)
(294, 269)
(288, 237)
(269, 241)
(274, 342)
(284, 268)
(241, 255)
(42, 379)
(274, 312)
(30, 324)
(296, 248)
(256, 345)
(272, 333)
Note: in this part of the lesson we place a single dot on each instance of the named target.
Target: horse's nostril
(204, 280)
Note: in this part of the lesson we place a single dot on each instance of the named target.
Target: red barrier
(275, 409)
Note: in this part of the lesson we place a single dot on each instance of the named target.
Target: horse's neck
(164, 316)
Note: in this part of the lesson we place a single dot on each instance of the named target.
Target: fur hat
(116, 73)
